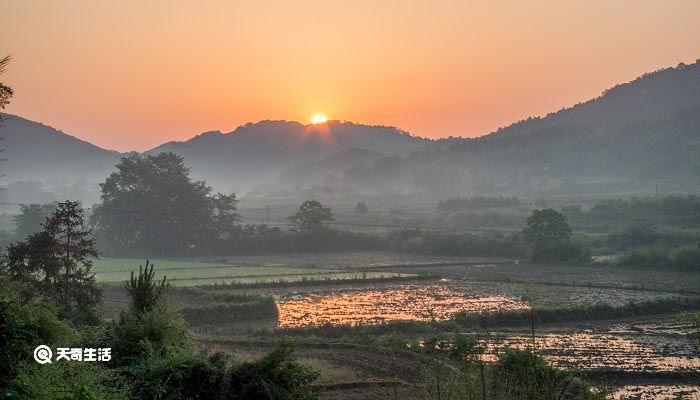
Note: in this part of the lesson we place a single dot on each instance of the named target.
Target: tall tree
(311, 217)
(31, 218)
(151, 205)
(547, 224)
(57, 262)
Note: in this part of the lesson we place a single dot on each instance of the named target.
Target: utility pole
(268, 216)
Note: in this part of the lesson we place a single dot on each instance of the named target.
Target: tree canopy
(56, 263)
(311, 217)
(547, 224)
(151, 205)
(6, 92)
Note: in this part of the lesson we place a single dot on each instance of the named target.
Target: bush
(554, 250)
(633, 235)
(137, 336)
(67, 381)
(277, 376)
(525, 375)
(647, 256)
(22, 328)
(687, 258)
(256, 308)
(423, 242)
(180, 375)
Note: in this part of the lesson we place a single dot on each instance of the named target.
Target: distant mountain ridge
(259, 152)
(633, 136)
(253, 153)
(36, 151)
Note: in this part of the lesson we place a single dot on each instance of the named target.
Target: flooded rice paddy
(398, 303)
(657, 392)
(586, 351)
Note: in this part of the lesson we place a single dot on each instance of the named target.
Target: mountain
(259, 152)
(315, 171)
(34, 151)
(631, 138)
(256, 153)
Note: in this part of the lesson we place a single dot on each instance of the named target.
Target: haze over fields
(634, 136)
(325, 200)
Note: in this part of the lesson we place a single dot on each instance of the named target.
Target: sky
(130, 75)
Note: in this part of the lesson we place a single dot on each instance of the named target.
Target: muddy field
(646, 345)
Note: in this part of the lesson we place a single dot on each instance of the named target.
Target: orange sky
(131, 75)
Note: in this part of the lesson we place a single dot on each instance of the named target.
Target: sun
(319, 119)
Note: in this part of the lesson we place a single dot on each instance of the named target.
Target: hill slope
(37, 151)
(259, 152)
(632, 137)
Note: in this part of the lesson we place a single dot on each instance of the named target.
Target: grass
(252, 309)
(329, 373)
(186, 272)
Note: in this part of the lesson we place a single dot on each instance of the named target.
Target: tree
(547, 224)
(151, 205)
(311, 217)
(549, 238)
(361, 208)
(144, 291)
(31, 218)
(6, 92)
(56, 263)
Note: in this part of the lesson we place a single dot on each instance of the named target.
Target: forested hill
(260, 152)
(34, 151)
(632, 137)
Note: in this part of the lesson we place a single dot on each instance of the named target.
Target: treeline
(257, 239)
(684, 258)
(418, 241)
(476, 203)
(670, 210)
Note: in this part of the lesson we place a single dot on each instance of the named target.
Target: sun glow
(319, 119)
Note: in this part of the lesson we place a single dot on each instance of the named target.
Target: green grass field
(191, 272)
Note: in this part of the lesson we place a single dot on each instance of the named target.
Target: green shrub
(22, 328)
(687, 258)
(67, 381)
(644, 256)
(524, 375)
(554, 250)
(255, 308)
(137, 336)
(180, 375)
(277, 376)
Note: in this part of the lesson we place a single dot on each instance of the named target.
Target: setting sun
(319, 119)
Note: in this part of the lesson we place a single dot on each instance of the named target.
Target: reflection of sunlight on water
(591, 351)
(655, 392)
(412, 303)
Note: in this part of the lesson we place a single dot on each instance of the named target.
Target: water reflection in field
(372, 306)
(657, 392)
(593, 351)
